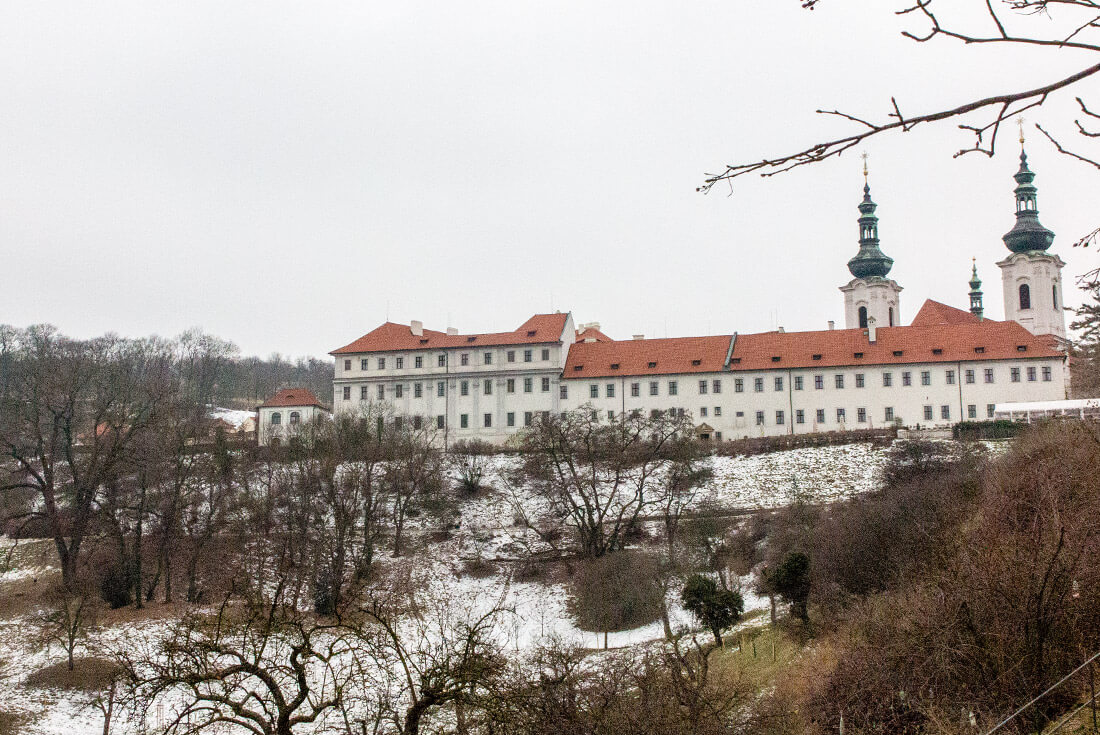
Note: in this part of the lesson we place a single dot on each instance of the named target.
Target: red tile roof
(647, 357)
(292, 397)
(541, 328)
(933, 312)
(893, 346)
(590, 333)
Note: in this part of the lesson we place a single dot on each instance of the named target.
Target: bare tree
(413, 476)
(66, 624)
(1055, 25)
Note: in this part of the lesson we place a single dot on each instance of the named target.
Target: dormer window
(578, 367)
(899, 353)
(614, 366)
(937, 351)
(736, 360)
(1021, 348)
(857, 354)
(531, 332)
(979, 350)
(775, 358)
(696, 362)
(470, 339)
(424, 341)
(817, 357)
(653, 364)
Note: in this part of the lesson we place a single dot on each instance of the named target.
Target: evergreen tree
(714, 607)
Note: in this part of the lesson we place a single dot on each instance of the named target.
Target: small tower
(870, 294)
(1032, 277)
(975, 290)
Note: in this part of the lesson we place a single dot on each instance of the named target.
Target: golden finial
(1020, 121)
(864, 156)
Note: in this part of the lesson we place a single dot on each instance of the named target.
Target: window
(819, 382)
(545, 354)
(593, 391)
(510, 385)
(862, 317)
(347, 364)
(363, 396)
(609, 390)
(440, 421)
(799, 416)
(347, 392)
(838, 379)
(820, 416)
(635, 390)
(442, 360)
(610, 415)
(945, 412)
(400, 363)
(779, 418)
(295, 418)
(990, 409)
(397, 423)
(1025, 296)
(464, 388)
(276, 418)
(654, 413)
(926, 377)
(950, 377)
(1014, 374)
(861, 415)
(563, 392)
(441, 388)
(716, 386)
(887, 380)
(527, 417)
(653, 388)
(889, 413)
(511, 356)
(968, 376)
(399, 391)
(758, 385)
(759, 418)
(972, 411)
(464, 421)
(673, 389)
(545, 385)
(703, 412)
(488, 420)
(487, 387)
(702, 387)
(381, 392)
(840, 415)
(464, 358)
(418, 361)
(859, 380)
(798, 382)
(363, 364)
(510, 418)
(717, 410)
(927, 413)
(528, 385)
(738, 385)
(545, 416)
(1031, 374)
(487, 358)
(381, 363)
(906, 378)
(416, 422)
(779, 383)
(1046, 374)
(527, 355)
(418, 390)
(989, 375)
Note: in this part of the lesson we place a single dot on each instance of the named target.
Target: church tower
(1032, 277)
(975, 291)
(870, 294)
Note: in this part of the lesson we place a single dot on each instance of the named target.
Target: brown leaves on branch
(997, 108)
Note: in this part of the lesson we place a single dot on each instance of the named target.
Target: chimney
(452, 332)
(871, 329)
(417, 328)
(832, 324)
(638, 336)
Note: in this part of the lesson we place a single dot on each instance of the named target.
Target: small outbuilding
(282, 415)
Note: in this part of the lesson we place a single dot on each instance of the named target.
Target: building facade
(948, 365)
(284, 414)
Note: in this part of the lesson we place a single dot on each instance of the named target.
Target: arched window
(1025, 296)
(891, 316)
(1054, 295)
(295, 418)
(276, 418)
(863, 317)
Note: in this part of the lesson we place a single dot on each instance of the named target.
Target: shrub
(716, 608)
(114, 586)
(791, 581)
(617, 591)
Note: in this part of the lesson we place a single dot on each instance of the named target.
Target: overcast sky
(289, 175)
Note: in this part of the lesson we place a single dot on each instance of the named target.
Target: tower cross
(1020, 122)
(864, 156)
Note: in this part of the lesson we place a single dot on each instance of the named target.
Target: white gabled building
(948, 365)
(471, 386)
(285, 413)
